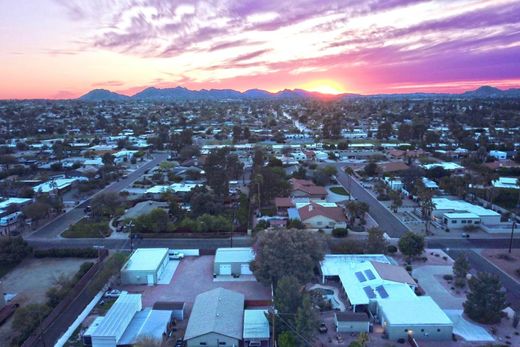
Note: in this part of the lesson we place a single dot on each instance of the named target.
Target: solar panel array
(369, 292)
(360, 276)
(370, 275)
(382, 292)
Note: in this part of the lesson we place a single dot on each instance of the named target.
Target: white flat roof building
(506, 183)
(448, 166)
(234, 255)
(146, 258)
(420, 311)
(443, 205)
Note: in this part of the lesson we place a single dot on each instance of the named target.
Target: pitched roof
(283, 202)
(392, 273)
(218, 311)
(308, 187)
(393, 166)
(313, 209)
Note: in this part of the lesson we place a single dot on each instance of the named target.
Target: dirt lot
(509, 263)
(193, 276)
(31, 279)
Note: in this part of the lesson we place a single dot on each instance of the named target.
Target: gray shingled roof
(218, 311)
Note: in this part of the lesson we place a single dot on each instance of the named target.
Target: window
(453, 222)
(438, 330)
(222, 343)
(203, 343)
(470, 221)
(463, 221)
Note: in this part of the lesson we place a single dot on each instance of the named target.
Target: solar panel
(382, 292)
(360, 276)
(370, 275)
(369, 292)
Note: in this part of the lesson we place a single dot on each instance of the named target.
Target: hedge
(66, 253)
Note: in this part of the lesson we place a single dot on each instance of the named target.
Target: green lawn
(87, 228)
(339, 191)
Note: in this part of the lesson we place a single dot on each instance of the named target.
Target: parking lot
(194, 275)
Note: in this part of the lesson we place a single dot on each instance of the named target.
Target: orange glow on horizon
(324, 86)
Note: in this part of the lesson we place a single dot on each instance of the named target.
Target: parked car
(465, 235)
(179, 343)
(174, 255)
(114, 293)
(323, 328)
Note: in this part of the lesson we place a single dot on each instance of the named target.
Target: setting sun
(324, 87)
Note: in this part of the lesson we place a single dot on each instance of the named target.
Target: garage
(245, 270)
(225, 269)
(145, 266)
(233, 261)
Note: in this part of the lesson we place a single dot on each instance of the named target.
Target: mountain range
(181, 93)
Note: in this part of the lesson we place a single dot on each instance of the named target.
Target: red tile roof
(313, 209)
(308, 187)
(283, 202)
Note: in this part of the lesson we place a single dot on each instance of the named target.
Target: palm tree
(259, 180)
(350, 172)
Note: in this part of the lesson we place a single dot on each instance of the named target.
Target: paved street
(54, 228)
(386, 220)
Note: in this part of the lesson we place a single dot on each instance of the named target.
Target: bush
(408, 268)
(459, 282)
(26, 321)
(66, 253)
(340, 232)
(448, 277)
(391, 249)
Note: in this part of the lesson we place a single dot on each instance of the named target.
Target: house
(216, 319)
(498, 155)
(321, 215)
(374, 284)
(506, 183)
(393, 166)
(307, 189)
(448, 166)
(256, 328)
(394, 183)
(456, 214)
(429, 184)
(145, 266)
(282, 205)
(233, 261)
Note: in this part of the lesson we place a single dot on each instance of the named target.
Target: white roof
(59, 183)
(417, 311)
(176, 187)
(12, 201)
(333, 264)
(429, 183)
(148, 322)
(462, 206)
(119, 316)
(256, 325)
(145, 259)
(234, 255)
(445, 165)
(457, 215)
(506, 182)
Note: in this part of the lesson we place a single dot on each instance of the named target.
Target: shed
(233, 261)
(145, 266)
(256, 327)
(351, 322)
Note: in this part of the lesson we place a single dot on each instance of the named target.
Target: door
(225, 269)
(245, 270)
(149, 279)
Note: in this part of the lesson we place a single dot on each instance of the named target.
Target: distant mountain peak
(102, 95)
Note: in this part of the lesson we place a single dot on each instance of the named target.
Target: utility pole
(513, 226)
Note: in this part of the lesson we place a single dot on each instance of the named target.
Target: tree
(36, 211)
(485, 300)
(13, 250)
(286, 339)
(376, 242)
(27, 319)
(306, 321)
(105, 204)
(371, 169)
(288, 297)
(281, 252)
(155, 222)
(397, 200)
(384, 130)
(108, 159)
(411, 244)
(461, 267)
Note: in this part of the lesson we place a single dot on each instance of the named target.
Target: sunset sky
(64, 48)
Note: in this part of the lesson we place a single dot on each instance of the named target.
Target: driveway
(432, 287)
(467, 330)
(450, 304)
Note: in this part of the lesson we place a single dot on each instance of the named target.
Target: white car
(176, 255)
